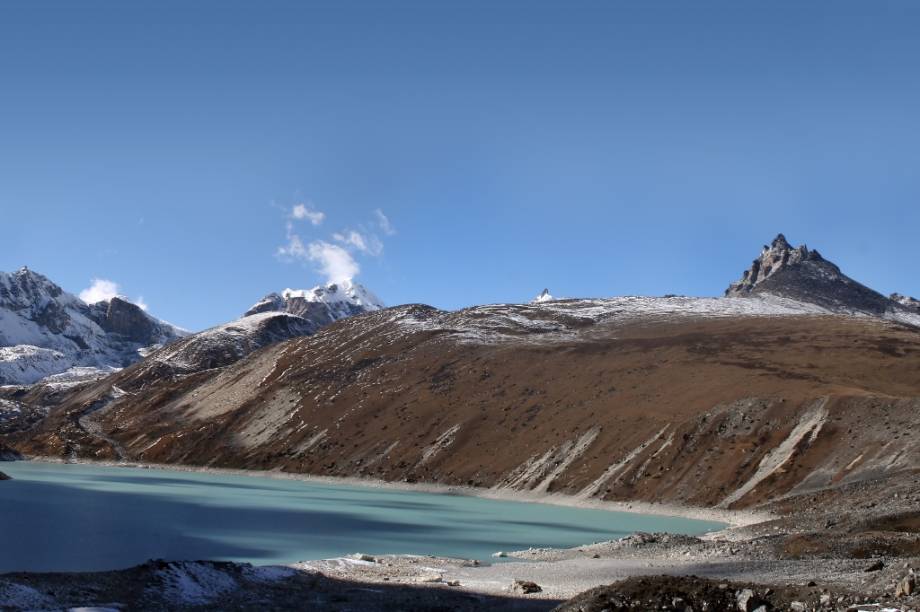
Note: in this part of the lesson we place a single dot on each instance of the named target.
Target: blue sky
(595, 148)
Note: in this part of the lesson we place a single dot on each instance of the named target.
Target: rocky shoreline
(731, 517)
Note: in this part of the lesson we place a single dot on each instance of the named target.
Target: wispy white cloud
(100, 289)
(384, 222)
(336, 257)
(294, 249)
(334, 262)
(302, 211)
(365, 243)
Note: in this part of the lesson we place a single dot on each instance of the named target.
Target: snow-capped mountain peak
(346, 291)
(545, 296)
(322, 304)
(45, 330)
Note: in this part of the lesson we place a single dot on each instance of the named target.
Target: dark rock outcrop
(804, 275)
(119, 316)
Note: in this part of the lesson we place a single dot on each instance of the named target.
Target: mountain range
(47, 332)
(731, 401)
(44, 330)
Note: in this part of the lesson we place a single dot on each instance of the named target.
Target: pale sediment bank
(731, 518)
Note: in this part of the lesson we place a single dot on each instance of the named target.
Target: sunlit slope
(727, 401)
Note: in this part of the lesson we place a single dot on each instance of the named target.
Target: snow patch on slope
(194, 583)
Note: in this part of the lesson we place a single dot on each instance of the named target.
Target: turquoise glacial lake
(58, 517)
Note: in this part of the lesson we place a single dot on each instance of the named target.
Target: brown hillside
(676, 405)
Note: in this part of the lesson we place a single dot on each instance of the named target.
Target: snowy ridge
(224, 344)
(560, 320)
(564, 319)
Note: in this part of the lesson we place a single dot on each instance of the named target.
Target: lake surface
(56, 517)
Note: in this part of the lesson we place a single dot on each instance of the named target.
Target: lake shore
(731, 518)
(749, 555)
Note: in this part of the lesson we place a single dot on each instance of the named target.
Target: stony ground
(206, 585)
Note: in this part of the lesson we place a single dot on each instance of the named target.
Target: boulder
(525, 587)
(4, 476)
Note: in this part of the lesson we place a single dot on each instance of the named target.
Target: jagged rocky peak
(322, 304)
(803, 275)
(775, 257)
(26, 288)
(545, 296)
(907, 301)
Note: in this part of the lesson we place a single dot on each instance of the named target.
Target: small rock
(797, 606)
(525, 587)
(431, 578)
(363, 557)
(875, 567)
(825, 599)
(906, 586)
(746, 600)
(453, 583)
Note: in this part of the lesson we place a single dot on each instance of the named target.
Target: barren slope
(712, 402)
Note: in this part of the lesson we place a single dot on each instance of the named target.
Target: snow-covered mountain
(44, 330)
(803, 275)
(322, 304)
